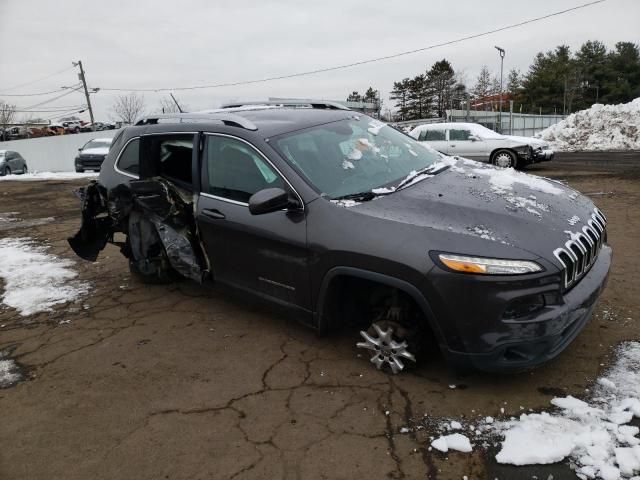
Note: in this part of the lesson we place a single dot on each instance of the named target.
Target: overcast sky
(156, 44)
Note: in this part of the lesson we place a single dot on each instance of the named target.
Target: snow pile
(601, 127)
(38, 176)
(35, 281)
(593, 434)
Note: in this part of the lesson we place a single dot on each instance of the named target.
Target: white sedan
(471, 140)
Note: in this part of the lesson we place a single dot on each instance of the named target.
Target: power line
(32, 94)
(52, 110)
(37, 80)
(362, 62)
(68, 91)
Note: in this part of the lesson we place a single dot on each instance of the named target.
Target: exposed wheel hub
(386, 349)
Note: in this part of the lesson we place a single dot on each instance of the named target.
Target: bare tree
(7, 116)
(167, 105)
(128, 108)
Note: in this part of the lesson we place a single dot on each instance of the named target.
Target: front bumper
(542, 155)
(516, 345)
(89, 162)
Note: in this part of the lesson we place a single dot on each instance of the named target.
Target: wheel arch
(336, 274)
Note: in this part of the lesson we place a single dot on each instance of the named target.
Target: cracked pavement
(189, 382)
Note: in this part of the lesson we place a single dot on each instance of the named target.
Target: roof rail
(229, 119)
(319, 104)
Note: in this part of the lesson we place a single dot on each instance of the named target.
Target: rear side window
(129, 160)
(235, 170)
(435, 135)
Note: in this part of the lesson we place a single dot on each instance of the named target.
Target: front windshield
(354, 155)
(97, 144)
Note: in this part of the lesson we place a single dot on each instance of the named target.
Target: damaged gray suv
(343, 220)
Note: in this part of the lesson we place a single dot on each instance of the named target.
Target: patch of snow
(482, 232)
(9, 372)
(39, 176)
(455, 441)
(375, 126)
(34, 280)
(355, 154)
(383, 190)
(573, 220)
(455, 425)
(591, 433)
(503, 179)
(347, 165)
(601, 127)
(345, 203)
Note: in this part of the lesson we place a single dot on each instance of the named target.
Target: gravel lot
(186, 382)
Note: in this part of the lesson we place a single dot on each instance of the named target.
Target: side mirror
(473, 138)
(80, 149)
(268, 200)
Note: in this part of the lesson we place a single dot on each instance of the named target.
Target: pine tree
(514, 81)
(419, 100)
(400, 93)
(440, 85)
(354, 97)
(482, 88)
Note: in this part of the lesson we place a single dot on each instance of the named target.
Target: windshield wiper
(416, 174)
(360, 196)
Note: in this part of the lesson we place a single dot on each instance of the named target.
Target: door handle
(452, 145)
(213, 213)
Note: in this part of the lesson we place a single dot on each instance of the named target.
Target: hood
(95, 151)
(498, 206)
(527, 140)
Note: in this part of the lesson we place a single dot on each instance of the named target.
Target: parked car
(474, 141)
(72, 126)
(56, 129)
(343, 220)
(12, 163)
(92, 154)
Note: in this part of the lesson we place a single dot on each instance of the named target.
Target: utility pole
(86, 91)
(501, 52)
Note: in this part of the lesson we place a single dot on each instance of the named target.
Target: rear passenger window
(129, 158)
(172, 156)
(435, 135)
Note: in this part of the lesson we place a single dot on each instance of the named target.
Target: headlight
(488, 266)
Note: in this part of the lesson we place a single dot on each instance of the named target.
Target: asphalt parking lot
(185, 382)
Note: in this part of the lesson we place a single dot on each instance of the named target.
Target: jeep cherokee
(341, 219)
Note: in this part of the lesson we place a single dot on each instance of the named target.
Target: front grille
(580, 252)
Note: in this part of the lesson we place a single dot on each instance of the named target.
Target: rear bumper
(540, 340)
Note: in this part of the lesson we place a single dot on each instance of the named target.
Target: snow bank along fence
(511, 123)
(53, 154)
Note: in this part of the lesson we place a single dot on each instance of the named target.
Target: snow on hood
(601, 127)
(95, 151)
(528, 140)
